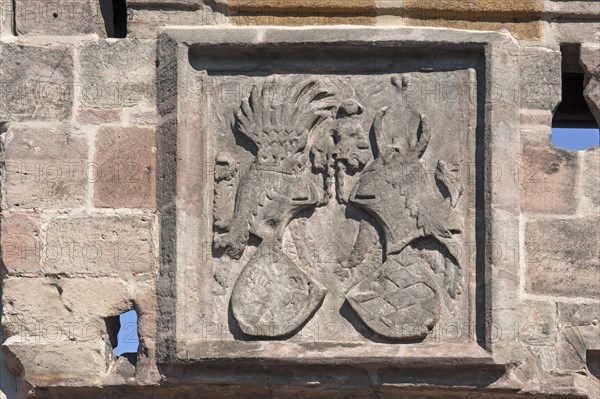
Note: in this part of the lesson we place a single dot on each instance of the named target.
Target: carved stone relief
(341, 200)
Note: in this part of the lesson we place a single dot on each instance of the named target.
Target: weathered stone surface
(21, 242)
(100, 245)
(274, 295)
(44, 167)
(116, 74)
(94, 116)
(580, 332)
(5, 12)
(536, 136)
(58, 363)
(534, 117)
(43, 90)
(562, 257)
(147, 18)
(540, 84)
(590, 179)
(590, 61)
(519, 18)
(263, 12)
(126, 162)
(143, 117)
(537, 323)
(32, 308)
(548, 179)
(64, 18)
(48, 310)
(146, 304)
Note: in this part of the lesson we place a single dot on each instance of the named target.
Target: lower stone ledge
(237, 392)
(327, 353)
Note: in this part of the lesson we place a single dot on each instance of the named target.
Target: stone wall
(107, 143)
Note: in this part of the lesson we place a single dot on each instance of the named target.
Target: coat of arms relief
(343, 203)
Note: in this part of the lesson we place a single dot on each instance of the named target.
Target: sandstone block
(116, 74)
(4, 14)
(590, 178)
(143, 117)
(43, 90)
(590, 61)
(537, 323)
(96, 297)
(519, 18)
(146, 304)
(540, 86)
(65, 18)
(58, 363)
(126, 161)
(536, 117)
(147, 17)
(21, 242)
(94, 116)
(562, 257)
(45, 310)
(548, 180)
(536, 135)
(579, 326)
(44, 167)
(100, 245)
(33, 309)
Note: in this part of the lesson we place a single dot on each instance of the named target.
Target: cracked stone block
(41, 91)
(58, 363)
(126, 160)
(46, 310)
(110, 245)
(562, 257)
(44, 166)
(579, 326)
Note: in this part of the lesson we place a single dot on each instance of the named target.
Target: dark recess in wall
(114, 13)
(573, 111)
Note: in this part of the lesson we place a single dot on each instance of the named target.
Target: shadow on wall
(114, 13)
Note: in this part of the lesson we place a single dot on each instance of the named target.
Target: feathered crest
(279, 114)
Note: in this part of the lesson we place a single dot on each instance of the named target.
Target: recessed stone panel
(329, 205)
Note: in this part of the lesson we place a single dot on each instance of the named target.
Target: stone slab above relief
(343, 206)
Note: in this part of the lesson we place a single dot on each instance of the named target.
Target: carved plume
(278, 117)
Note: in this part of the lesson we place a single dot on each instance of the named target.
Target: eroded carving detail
(312, 148)
(278, 117)
(393, 188)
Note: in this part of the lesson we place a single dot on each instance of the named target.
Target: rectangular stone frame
(181, 137)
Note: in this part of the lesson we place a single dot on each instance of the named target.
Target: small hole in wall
(593, 362)
(114, 13)
(573, 125)
(55, 15)
(123, 334)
